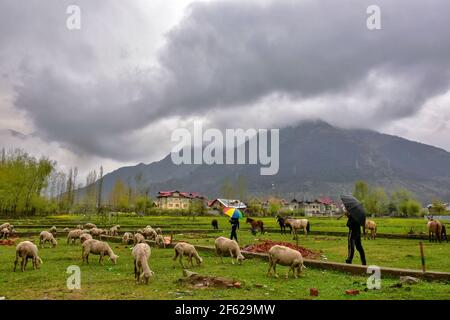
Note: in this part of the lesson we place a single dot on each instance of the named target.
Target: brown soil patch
(264, 246)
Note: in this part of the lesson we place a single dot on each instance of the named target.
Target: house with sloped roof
(220, 204)
(178, 200)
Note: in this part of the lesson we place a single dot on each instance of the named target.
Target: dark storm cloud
(222, 54)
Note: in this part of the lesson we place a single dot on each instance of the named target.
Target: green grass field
(117, 281)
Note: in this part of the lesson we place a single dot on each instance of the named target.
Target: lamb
(225, 246)
(141, 253)
(98, 248)
(84, 237)
(138, 238)
(89, 226)
(149, 233)
(53, 230)
(4, 233)
(186, 249)
(27, 250)
(127, 237)
(160, 241)
(286, 257)
(45, 236)
(73, 235)
(114, 231)
(158, 230)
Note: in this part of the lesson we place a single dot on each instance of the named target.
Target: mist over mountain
(315, 159)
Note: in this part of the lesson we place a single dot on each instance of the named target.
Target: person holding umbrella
(235, 215)
(356, 215)
(234, 226)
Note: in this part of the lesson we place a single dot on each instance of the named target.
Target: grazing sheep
(186, 249)
(84, 237)
(127, 237)
(73, 235)
(286, 257)
(53, 230)
(148, 227)
(6, 225)
(158, 230)
(149, 233)
(27, 250)
(4, 233)
(89, 226)
(85, 231)
(45, 236)
(225, 246)
(114, 231)
(98, 248)
(160, 241)
(141, 253)
(80, 226)
(96, 232)
(138, 238)
(66, 229)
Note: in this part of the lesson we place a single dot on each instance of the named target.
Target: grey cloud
(221, 55)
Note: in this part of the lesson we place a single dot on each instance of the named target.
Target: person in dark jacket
(354, 240)
(234, 226)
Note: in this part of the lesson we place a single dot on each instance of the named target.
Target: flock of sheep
(141, 250)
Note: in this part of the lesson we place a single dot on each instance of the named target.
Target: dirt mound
(8, 242)
(264, 246)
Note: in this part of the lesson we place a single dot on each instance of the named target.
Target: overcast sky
(112, 92)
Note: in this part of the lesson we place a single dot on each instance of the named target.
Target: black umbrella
(354, 208)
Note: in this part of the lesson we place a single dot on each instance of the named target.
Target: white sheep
(127, 237)
(27, 250)
(85, 231)
(149, 233)
(45, 236)
(98, 248)
(286, 257)
(96, 231)
(7, 225)
(138, 238)
(141, 253)
(4, 233)
(158, 230)
(226, 246)
(114, 231)
(84, 237)
(159, 240)
(80, 226)
(53, 230)
(73, 235)
(66, 229)
(186, 249)
(89, 226)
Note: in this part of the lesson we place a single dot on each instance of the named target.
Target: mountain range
(316, 159)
